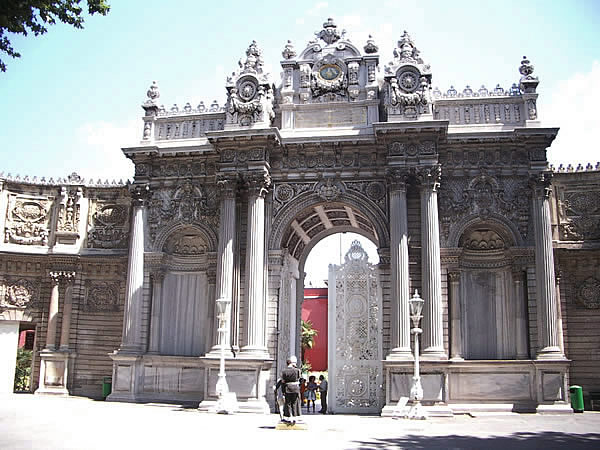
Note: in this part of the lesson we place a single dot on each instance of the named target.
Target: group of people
(292, 389)
(308, 393)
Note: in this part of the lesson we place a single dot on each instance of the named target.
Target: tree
(33, 16)
(308, 334)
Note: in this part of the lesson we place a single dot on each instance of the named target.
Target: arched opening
(314, 239)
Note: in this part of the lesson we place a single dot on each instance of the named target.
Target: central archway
(297, 229)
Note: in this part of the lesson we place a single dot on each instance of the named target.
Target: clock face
(330, 72)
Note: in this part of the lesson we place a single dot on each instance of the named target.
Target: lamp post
(227, 402)
(416, 390)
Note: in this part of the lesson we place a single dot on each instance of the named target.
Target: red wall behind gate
(314, 309)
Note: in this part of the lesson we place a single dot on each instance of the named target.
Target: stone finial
(153, 93)
(371, 47)
(150, 105)
(528, 83)
(289, 52)
(526, 68)
(254, 60)
(329, 33)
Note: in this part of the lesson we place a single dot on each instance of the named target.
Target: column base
(54, 371)
(400, 354)
(552, 352)
(250, 352)
(434, 354)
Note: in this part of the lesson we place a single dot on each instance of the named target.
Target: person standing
(311, 393)
(290, 377)
(323, 390)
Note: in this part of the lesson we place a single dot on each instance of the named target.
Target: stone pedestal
(54, 370)
(246, 377)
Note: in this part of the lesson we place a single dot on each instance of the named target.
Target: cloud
(573, 107)
(316, 10)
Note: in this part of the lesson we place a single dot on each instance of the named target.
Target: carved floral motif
(588, 294)
(101, 296)
(68, 219)
(20, 293)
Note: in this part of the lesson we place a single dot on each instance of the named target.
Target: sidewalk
(36, 422)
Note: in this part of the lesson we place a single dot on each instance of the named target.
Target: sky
(73, 100)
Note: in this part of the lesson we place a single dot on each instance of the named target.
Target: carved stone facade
(454, 188)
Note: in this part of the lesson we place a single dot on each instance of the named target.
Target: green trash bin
(106, 386)
(576, 394)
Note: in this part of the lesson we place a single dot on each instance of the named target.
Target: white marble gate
(355, 348)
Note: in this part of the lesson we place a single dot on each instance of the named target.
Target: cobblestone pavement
(39, 422)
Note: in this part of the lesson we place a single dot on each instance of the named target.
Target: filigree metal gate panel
(355, 349)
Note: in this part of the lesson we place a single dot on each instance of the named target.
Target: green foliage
(33, 16)
(308, 334)
(23, 370)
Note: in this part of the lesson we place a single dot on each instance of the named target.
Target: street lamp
(227, 402)
(416, 391)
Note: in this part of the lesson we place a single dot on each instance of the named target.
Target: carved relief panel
(19, 293)
(484, 196)
(27, 220)
(108, 224)
(101, 296)
(580, 215)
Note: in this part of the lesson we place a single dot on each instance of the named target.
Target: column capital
(428, 177)
(398, 179)
(140, 194)
(227, 185)
(541, 184)
(258, 183)
(61, 276)
(454, 277)
(157, 275)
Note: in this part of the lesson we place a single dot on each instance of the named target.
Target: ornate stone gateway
(355, 349)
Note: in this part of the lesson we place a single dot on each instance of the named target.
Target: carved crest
(28, 222)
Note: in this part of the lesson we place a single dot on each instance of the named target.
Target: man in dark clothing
(323, 390)
(290, 377)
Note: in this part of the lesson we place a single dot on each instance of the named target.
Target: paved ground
(35, 422)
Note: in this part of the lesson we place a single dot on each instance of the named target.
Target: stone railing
(580, 168)
(72, 179)
(188, 122)
(469, 107)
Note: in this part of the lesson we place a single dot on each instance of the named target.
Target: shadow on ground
(543, 440)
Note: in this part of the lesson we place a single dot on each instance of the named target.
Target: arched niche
(492, 296)
(182, 323)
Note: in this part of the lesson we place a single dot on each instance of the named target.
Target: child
(311, 393)
(302, 391)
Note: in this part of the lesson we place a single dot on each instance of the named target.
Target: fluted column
(399, 310)
(225, 255)
(66, 315)
(547, 305)
(433, 333)
(456, 347)
(53, 311)
(521, 326)
(132, 319)
(256, 312)
(154, 339)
